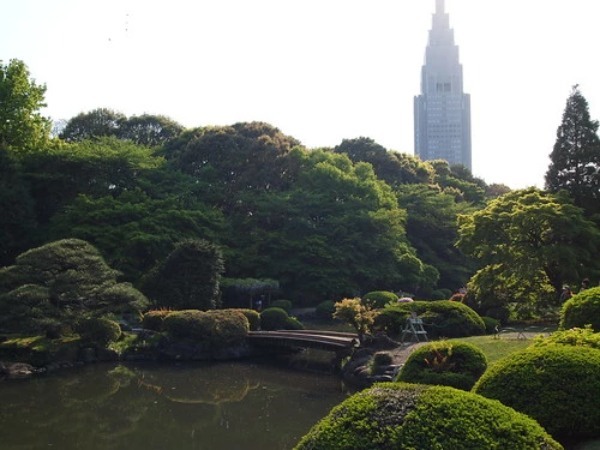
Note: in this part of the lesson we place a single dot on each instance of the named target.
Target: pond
(149, 406)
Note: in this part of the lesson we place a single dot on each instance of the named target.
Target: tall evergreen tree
(575, 159)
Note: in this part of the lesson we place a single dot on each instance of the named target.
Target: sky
(319, 70)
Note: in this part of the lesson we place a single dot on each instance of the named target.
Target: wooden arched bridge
(323, 340)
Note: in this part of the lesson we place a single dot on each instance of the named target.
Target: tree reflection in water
(197, 406)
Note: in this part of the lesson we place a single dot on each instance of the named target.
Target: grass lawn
(497, 348)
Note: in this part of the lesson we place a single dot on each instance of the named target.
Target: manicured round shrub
(411, 416)
(378, 299)
(441, 318)
(491, 325)
(325, 310)
(229, 327)
(98, 331)
(581, 310)
(558, 385)
(252, 315)
(277, 319)
(455, 364)
(154, 319)
(286, 305)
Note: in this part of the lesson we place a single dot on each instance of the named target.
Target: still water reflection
(193, 406)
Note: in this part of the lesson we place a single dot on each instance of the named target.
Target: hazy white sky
(319, 70)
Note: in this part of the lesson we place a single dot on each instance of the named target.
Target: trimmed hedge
(558, 385)
(154, 319)
(252, 315)
(378, 299)
(277, 319)
(410, 416)
(215, 327)
(442, 318)
(455, 364)
(98, 331)
(581, 310)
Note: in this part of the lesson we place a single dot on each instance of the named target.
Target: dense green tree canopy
(392, 167)
(57, 174)
(135, 231)
(532, 237)
(147, 130)
(575, 159)
(21, 125)
(336, 232)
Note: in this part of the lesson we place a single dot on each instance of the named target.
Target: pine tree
(575, 159)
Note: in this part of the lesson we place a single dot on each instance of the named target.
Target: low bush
(154, 319)
(215, 327)
(410, 416)
(558, 385)
(252, 315)
(441, 319)
(455, 364)
(325, 310)
(188, 324)
(579, 337)
(581, 310)
(491, 325)
(229, 327)
(278, 319)
(378, 299)
(98, 331)
(286, 305)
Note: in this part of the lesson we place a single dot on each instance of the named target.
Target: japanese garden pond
(164, 406)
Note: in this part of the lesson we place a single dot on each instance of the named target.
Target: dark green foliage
(60, 281)
(278, 319)
(283, 304)
(442, 318)
(98, 331)
(325, 310)
(491, 325)
(407, 416)
(154, 319)
(148, 130)
(189, 278)
(215, 328)
(378, 299)
(581, 310)
(455, 364)
(557, 385)
(575, 158)
(135, 231)
(17, 221)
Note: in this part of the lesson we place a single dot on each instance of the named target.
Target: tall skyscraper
(443, 110)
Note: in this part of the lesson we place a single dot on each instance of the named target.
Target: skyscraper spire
(442, 110)
(439, 6)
